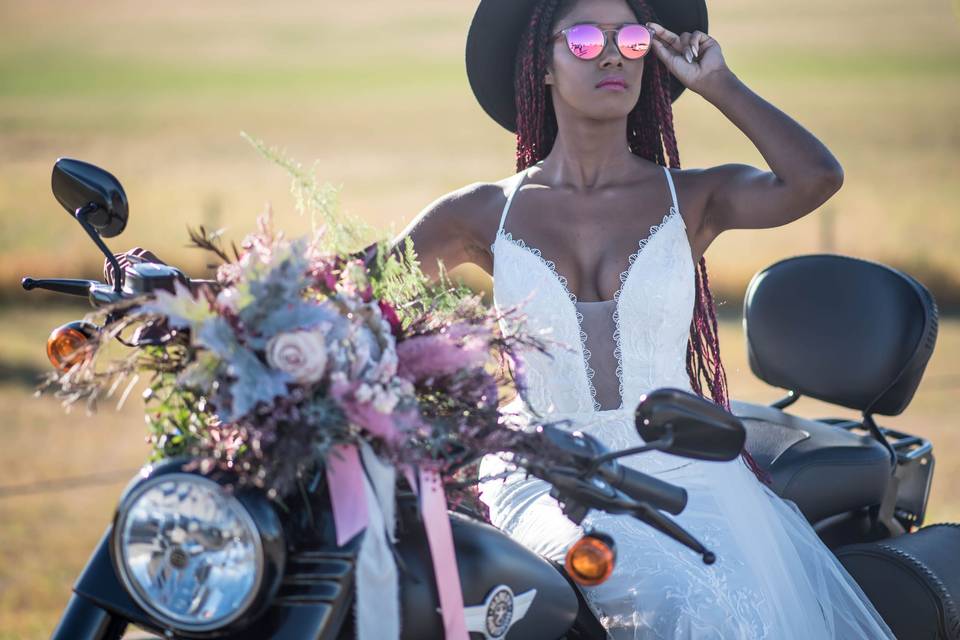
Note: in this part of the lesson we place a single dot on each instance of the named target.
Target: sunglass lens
(634, 41)
(585, 41)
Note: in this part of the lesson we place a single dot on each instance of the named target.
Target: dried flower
(435, 355)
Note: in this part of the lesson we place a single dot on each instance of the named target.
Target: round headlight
(188, 552)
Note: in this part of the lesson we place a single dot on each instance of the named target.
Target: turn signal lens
(591, 559)
(69, 344)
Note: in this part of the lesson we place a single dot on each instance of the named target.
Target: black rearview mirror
(687, 425)
(77, 184)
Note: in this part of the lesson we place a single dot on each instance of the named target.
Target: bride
(603, 247)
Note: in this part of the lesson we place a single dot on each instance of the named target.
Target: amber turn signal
(70, 344)
(591, 559)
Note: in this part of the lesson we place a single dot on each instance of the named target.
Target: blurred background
(376, 94)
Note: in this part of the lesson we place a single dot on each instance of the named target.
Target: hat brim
(494, 36)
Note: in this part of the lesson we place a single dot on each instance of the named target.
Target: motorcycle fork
(83, 620)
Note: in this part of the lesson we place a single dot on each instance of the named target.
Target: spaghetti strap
(673, 191)
(518, 179)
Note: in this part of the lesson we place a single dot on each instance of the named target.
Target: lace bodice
(773, 577)
(651, 314)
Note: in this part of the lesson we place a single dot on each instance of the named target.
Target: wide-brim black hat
(494, 37)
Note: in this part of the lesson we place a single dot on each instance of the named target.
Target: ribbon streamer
(345, 480)
(352, 473)
(378, 583)
(362, 503)
(436, 522)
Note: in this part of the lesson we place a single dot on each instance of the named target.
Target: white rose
(302, 354)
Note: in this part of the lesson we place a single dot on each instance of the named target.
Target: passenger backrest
(846, 331)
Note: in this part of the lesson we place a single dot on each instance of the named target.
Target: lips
(616, 82)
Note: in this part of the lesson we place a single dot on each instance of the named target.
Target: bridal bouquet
(306, 360)
(297, 353)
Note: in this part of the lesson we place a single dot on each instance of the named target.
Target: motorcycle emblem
(499, 612)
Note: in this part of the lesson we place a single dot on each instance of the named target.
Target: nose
(611, 56)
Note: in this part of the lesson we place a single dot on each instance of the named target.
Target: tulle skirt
(773, 577)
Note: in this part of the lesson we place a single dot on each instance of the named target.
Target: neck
(589, 154)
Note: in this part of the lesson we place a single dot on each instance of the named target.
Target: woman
(626, 289)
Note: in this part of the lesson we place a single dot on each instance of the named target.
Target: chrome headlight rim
(130, 584)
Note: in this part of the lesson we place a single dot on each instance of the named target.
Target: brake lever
(647, 514)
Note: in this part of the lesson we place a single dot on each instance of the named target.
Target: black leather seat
(913, 580)
(849, 332)
(845, 331)
(826, 470)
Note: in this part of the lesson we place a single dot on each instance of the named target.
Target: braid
(650, 135)
(535, 123)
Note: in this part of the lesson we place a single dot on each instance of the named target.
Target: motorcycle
(185, 558)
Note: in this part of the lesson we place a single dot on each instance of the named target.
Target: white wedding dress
(773, 578)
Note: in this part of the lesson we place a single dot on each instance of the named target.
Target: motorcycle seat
(824, 469)
(912, 580)
(850, 332)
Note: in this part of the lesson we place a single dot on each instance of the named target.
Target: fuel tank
(508, 591)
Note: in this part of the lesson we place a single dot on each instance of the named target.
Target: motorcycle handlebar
(70, 286)
(643, 488)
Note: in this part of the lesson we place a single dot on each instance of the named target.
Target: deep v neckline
(551, 267)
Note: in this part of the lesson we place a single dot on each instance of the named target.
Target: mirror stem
(81, 215)
(655, 445)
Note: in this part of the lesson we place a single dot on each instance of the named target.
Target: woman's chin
(616, 113)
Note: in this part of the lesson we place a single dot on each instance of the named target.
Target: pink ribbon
(345, 480)
(436, 522)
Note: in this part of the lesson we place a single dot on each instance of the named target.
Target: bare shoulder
(459, 226)
(700, 193)
(469, 202)
(693, 192)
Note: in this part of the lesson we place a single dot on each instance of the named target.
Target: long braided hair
(650, 135)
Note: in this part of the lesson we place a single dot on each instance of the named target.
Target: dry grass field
(376, 94)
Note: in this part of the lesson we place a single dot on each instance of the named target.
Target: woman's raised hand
(133, 256)
(694, 58)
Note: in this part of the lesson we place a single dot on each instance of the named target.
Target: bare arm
(803, 173)
(448, 229)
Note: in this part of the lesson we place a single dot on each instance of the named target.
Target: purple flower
(439, 354)
(391, 316)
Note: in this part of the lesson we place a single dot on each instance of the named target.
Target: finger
(665, 35)
(664, 51)
(697, 41)
(144, 255)
(109, 272)
(686, 47)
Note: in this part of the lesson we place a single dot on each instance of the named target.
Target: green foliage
(176, 424)
(396, 276)
(336, 232)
